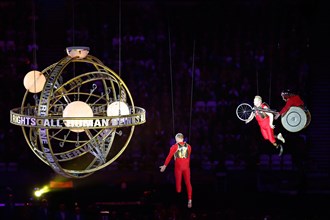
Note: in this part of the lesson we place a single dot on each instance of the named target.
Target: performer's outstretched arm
(162, 168)
(168, 158)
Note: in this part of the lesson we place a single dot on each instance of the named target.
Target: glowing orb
(77, 109)
(34, 81)
(116, 109)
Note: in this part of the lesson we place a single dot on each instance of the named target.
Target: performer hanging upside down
(265, 121)
(291, 99)
(181, 152)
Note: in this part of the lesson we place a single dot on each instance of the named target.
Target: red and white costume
(181, 152)
(263, 121)
(292, 101)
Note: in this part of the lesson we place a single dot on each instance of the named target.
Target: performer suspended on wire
(291, 99)
(265, 120)
(181, 152)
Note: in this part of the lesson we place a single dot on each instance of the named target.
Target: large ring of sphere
(75, 145)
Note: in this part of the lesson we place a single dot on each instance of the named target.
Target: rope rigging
(119, 36)
(35, 66)
(34, 46)
(171, 79)
(172, 91)
(192, 89)
(119, 57)
(270, 80)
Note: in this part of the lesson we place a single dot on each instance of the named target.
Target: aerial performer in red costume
(181, 152)
(265, 120)
(291, 99)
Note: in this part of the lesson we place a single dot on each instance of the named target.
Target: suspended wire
(270, 83)
(119, 36)
(119, 54)
(270, 75)
(73, 40)
(172, 97)
(34, 46)
(34, 43)
(257, 77)
(192, 89)
(192, 85)
(73, 23)
(270, 87)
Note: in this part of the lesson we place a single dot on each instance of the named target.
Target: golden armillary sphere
(77, 115)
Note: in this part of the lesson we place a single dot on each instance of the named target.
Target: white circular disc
(294, 120)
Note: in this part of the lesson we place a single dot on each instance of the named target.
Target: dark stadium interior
(237, 49)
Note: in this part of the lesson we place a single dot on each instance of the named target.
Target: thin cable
(257, 77)
(34, 45)
(119, 53)
(73, 40)
(192, 88)
(257, 73)
(172, 97)
(270, 87)
(34, 53)
(270, 80)
(119, 36)
(73, 23)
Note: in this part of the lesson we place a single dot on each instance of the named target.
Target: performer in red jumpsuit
(291, 99)
(181, 152)
(265, 121)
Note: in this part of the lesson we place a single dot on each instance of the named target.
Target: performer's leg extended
(186, 176)
(280, 137)
(269, 134)
(178, 179)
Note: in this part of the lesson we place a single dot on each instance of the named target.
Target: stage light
(39, 192)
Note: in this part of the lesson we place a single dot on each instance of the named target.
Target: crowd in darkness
(188, 63)
(189, 73)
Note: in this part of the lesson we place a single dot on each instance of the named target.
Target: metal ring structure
(104, 138)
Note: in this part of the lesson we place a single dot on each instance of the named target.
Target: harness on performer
(261, 113)
(182, 151)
